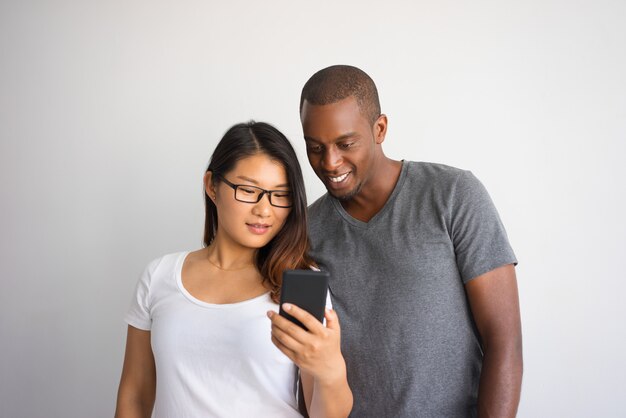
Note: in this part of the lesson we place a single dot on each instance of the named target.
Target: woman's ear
(209, 188)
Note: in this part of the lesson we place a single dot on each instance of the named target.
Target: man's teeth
(338, 179)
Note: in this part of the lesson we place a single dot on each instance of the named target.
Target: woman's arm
(135, 397)
(318, 355)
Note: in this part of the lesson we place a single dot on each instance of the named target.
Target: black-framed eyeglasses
(253, 194)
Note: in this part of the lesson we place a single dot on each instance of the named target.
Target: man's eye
(315, 148)
(346, 145)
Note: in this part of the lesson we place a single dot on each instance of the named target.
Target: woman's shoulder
(165, 263)
(170, 257)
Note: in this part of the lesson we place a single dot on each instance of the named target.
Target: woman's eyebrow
(248, 179)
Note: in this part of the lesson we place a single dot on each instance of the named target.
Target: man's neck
(373, 196)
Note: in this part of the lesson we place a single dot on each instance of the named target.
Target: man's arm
(494, 302)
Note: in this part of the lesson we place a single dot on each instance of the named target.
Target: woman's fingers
(317, 350)
(309, 321)
(286, 331)
(332, 320)
(284, 349)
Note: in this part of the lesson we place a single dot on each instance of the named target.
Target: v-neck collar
(372, 222)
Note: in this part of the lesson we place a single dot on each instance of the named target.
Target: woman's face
(250, 225)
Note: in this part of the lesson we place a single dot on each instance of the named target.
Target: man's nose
(331, 159)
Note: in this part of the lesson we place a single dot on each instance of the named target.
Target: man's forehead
(342, 115)
(347, 102)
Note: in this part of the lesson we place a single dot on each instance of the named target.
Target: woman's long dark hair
(289, 248)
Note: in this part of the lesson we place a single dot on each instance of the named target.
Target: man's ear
(380, 128)
(209, 188)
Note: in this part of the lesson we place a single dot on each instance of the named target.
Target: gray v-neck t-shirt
(397, 284)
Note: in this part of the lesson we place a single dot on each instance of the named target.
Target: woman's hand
(316, 351)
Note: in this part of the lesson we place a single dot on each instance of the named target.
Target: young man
(423, 276)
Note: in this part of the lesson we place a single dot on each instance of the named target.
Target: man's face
(341, 145)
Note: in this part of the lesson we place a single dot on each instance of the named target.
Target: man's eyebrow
(347, 136)
(339, 138)
(248, 179)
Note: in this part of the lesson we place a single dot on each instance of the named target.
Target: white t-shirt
(212, 360)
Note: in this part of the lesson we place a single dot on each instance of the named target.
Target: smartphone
(306, 289)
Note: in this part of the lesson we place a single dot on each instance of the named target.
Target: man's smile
(338, 179)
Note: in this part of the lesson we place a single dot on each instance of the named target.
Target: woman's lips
(258, 229)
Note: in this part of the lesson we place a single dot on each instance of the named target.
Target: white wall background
(109, 111)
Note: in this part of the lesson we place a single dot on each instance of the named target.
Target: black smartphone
(306, 289)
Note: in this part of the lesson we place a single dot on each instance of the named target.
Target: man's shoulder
(429, 171)
(435, 177)
(320, 213)
(320, 205)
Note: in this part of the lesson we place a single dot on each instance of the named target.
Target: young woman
(199, 341)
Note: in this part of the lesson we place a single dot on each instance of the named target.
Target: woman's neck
(229, 257)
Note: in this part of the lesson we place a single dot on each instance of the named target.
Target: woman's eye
(247, 190)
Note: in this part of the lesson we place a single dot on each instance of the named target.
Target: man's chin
(343, 196)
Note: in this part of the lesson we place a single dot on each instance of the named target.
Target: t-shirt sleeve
(138, 315)
(480, 240)
(329, 303)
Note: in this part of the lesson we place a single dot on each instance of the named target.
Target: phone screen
(306, 289)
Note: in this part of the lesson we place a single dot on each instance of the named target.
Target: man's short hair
(339, 82)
